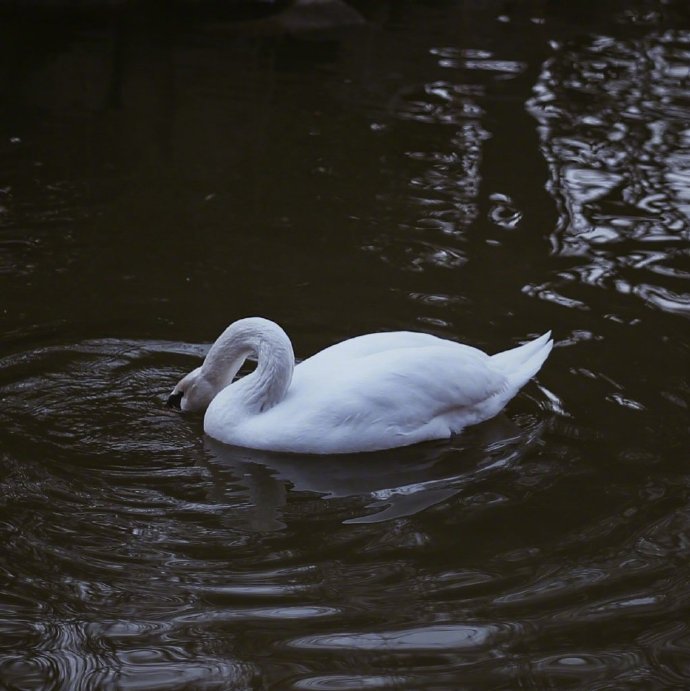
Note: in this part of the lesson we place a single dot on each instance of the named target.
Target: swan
(368, 393)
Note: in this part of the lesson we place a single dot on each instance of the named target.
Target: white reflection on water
(432, 638)
(385, 485)
(444, 173)
(614, 130)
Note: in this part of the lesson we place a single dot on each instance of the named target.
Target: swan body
(367, 393)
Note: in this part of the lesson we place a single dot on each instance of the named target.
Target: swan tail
(522, 363)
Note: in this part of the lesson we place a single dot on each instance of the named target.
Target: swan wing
(325, 362)
(413, 385)
(388, 398)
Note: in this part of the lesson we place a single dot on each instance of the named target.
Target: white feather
(367, 393)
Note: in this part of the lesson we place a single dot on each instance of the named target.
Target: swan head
(192, 393)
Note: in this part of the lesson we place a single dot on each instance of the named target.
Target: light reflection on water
(613, 117)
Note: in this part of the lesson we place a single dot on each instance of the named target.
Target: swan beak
(174, 400)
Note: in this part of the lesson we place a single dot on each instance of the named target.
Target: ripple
(618, 161)
(159, 669)
(554, 586)
(443, 180)
(297, 613)
(504, 213)
(668, 537)
(128, 534)
(626, 402)
(664, 299)
(418, 256)
(65, 655)
(432, 638)
(667, 647)
(440, 103)
(107, 375)
(476, 60)
(584, 667)
(343, 682)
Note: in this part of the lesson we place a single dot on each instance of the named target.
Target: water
(481, 172)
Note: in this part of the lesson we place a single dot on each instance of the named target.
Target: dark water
(480, 171)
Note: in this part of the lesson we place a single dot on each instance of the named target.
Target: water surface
(480, 172)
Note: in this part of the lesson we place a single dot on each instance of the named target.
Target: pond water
(480, 171)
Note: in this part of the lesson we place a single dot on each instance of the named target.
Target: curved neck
(268, 343)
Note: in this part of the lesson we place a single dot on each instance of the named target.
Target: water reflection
(388, 485)
(123, 555)
(206, 178)
(436, 638)
(613, 117)
(443, 192)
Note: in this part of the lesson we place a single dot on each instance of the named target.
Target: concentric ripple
(142, 550)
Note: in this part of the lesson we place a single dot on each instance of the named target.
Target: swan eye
(174, 400)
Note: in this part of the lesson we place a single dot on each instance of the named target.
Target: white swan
(368, 393)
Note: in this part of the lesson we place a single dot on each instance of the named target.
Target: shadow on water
(391, 484)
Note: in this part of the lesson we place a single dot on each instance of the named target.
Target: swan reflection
(373, 487)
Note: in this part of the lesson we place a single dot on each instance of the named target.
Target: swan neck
(264, 340)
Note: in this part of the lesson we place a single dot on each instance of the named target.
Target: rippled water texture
(481, 171)
(614, 118)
